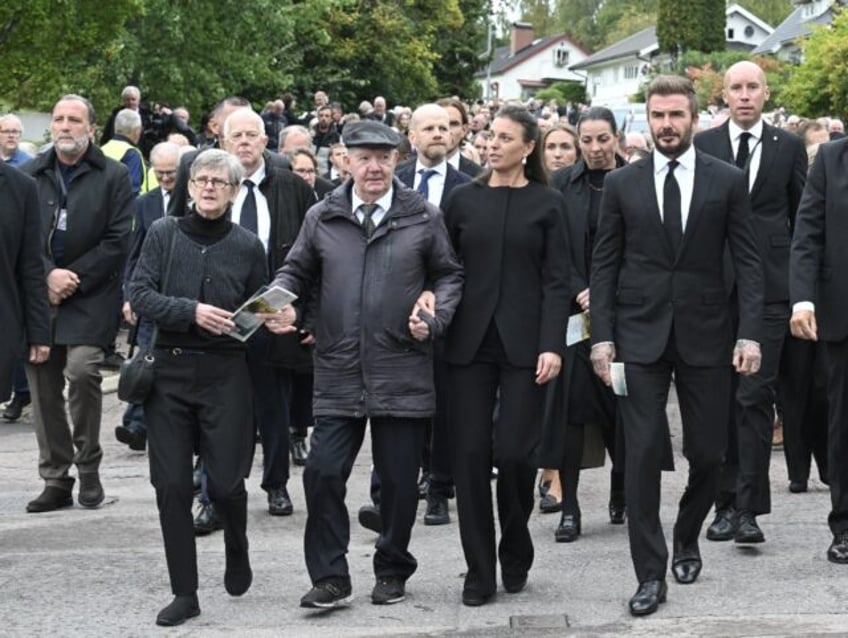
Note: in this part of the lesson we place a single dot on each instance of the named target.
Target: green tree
(819, 85)
(52, 47)
(694, 25)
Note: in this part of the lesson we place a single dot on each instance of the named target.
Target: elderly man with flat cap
(370, 246)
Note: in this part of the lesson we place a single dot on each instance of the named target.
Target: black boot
(181, 609)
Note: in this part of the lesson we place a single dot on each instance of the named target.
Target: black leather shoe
(298, 451)
(472, 598)
(279, 503)
(548, 504)
(181, 609)
(617, 513)
(206, 521)
(90, 490)
(723, 527)
(648, 597)
(369, 518)
(838, 550)
(388, 591)
(514, 583)
(797, 487)
(686, 570)
(568, 530)
(136, 440)
(15, 407)
(437, 511)
(52, 498)
(748, 531)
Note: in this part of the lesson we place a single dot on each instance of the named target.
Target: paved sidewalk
(79, 572)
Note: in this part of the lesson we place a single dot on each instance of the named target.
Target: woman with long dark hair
(506, 341)
(580, 400)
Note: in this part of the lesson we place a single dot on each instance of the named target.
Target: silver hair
(163, 149)
(294, 128)
(243, 111)
(127, 121)
(130, 90)
(214, 159)
(11, 117)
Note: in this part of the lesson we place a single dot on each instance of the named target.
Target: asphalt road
(102, 572)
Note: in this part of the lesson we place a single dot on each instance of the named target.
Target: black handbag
(137, 371)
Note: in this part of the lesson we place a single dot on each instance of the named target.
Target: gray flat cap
(370, 133)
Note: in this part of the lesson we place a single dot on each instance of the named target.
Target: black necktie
(367, 219)
(249, 218)
(744, 152)
(423, 185)
(672, 218)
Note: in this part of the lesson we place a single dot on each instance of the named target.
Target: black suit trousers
(271, 398)
(755, 413)
(803, 389)
(396, 448)
(203, 400)
(508, 444)
(836, 360)
(703, 396)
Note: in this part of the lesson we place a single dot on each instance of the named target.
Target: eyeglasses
(11, 132)
(203, 182)
(304, 171)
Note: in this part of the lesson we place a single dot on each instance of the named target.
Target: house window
(631, 72)
(749, 32)
(730, 34)
(561, 55)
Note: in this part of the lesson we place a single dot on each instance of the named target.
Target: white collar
(687, 160)
(735, 130)
(385, 202)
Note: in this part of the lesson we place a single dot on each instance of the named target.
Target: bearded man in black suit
(659, 305)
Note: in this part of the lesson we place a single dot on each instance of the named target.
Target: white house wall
(537, 68)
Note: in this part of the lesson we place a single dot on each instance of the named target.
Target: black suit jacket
(640, 288)
(406, 173)
(774, 197)
(148, 208)
(179, 196)
(472, 169)
(820, 245)
(23, 284)
(515, 256)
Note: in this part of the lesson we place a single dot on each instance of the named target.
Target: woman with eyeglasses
(193, 272)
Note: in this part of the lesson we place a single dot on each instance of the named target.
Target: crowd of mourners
(441, 258)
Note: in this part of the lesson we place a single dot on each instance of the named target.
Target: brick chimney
(522, 36)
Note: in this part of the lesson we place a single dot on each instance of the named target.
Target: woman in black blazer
(579, 398)
(506, 340)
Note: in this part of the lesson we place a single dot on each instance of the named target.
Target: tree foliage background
(819, 86)
(193, 52)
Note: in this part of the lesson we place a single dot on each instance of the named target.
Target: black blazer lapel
(700, 190)
(648, 193)
(769, 145)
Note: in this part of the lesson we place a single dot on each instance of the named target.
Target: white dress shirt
(755, 147)
(685, 176)
(263, 214)
(383, 205)
(436, 183)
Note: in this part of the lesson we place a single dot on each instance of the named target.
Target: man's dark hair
(457, 104)
(665, 85)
